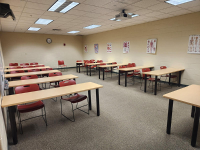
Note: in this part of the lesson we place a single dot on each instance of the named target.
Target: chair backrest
(114, 63)
(15, 67)
(34, 63)
(79, 61)
(18, 71)
(122, 66)
(92, 61)
(26, 88)
(24, 64)
(29, 77)
(44, 69)
(131, 65)
(163, 67)
(28, 66)
(60, 62)
(145, 70)
(102, 64)
(85, 61)
(33, 70)
(13, 64)
(99, 61)
(41, 65)
(67, 83)
(55, 74)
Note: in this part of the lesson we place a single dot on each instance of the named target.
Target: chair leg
(20, 123)
(66, 116)
(44, 116)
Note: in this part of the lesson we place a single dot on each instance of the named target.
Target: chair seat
(153, 79)
(93, 67)
(76, 98)
(30, 107)
(136, 74)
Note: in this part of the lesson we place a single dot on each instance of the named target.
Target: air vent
(56, 29)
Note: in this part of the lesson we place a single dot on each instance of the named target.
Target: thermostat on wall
(49, 41)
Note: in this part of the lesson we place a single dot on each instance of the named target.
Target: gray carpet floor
(130, 119)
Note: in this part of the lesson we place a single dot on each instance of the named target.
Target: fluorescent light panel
(33, 29)
(178, 2)
(57, 5)
(43, 21)
(112, 19)
(134, 15)
(73, 32)
(92, 26)
(69, 7)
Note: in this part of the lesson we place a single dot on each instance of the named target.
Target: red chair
(13, 64)
(167, 75)
(73, 99)
(106, 70)
(24, 64)
(29, 77)
(17, 71)
(34, 63)
(149, 78)
(29, 107)
(135, 72)
(16, 67)
(122, 67)
(61, 64)
(46, 69)
(28, 66)
(99, 61)
(92, 61)
(33, 70)
(53, 75)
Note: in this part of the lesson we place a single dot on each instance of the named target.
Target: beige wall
(172, 34)
(26, 47)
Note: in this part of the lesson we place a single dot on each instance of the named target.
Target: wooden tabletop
(189, 95)
(9, 70)
(12, 100)
(163, 71)
(134, 68)
(20, 66)
(90, 64)
(41, 80)
(114, 65)
(29, 73)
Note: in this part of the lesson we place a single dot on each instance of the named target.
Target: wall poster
(194, 44)
(109, 47)
(151, 46)
(126, 47)
(96, 48)
(85, 49)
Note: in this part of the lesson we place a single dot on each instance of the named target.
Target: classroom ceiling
(89, 12)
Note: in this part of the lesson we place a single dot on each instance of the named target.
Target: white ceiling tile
(29, 18)
(102, 10)
(154, 14)
(14, 2)
(194, 9)
(92, 15)
(115, 5)
(34, 11)
(132, 8)
(49, 2)
(180, 12)
(128, 1)
(97, 2)
(190, 4)
(51, 13)
(143, 11)
(170, 9)
(159, 6)
(85, 7)
(37, 6)
(76, 12)
(49, 17)
(16, 8)
(30, 15)
(146, 3)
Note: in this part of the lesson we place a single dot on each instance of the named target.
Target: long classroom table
(189, 95)
(160, 72)
(18, 69)
(126, 70)
(20, 66)
(12, 100)
(107, 66)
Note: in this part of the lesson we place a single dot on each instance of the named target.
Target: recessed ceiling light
(70, 6)
(73, 32)
(33, 29)
(43, 21)
(56, 5)
(118, 20)
(177, 2)
(92, 26)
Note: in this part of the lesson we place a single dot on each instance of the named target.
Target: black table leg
(169, 119)
(193, 111)
(99, 73)
(76, 67)
(195, 127)
(89, 97)
(97, 101)
(87, 69)
(11, 111)
(155, 90)
(126, 79)
(79, 68)
(111, 71)
(179, 79)
(170, 78)
(119, 78)
(145, 83)
(90, 70)
(103, 72)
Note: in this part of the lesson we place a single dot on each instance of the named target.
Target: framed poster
(126, 47)
(96, 48)
(194, 44)
(109, 47)
(85, 49)
(151, 46)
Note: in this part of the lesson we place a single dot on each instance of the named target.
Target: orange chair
(61, 64)
(73, 99)
(29, 107)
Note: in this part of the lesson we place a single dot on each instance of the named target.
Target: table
(126, 70)
(91, 64)
(111, 66)
(191, 96)
(21, 66)
(29, 73)
(9, 70)
(160, 72)
(12, 100)
(78, 65)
